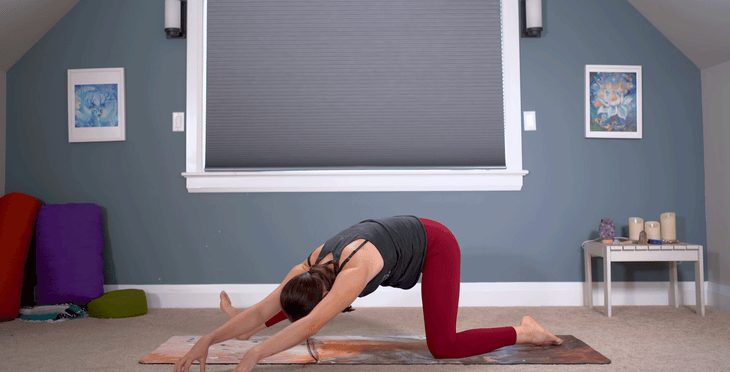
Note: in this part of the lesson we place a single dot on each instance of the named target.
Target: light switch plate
(530, 120)
(178, 121)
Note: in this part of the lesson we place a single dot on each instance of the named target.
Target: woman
(392, 252)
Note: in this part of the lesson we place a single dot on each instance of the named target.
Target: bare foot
(226, 305)
(529, 332)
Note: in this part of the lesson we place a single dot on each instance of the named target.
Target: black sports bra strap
(351, 254)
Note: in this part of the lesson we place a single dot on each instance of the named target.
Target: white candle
(669, 226)
(636, 225)
(652, 230)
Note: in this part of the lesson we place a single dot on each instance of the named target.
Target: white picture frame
(613, 104)
(96, 105)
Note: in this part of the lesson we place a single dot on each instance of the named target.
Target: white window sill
(355, 181)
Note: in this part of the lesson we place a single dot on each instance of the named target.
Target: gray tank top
(401, 241)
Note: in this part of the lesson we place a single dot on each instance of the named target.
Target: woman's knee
(441, 350)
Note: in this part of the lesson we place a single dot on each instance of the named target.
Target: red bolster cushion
(18, 214)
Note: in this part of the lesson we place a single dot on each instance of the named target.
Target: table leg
(700, 283)
(588, 290)
(673, 286)
(607, 281)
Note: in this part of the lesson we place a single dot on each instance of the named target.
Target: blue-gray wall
(157, 233)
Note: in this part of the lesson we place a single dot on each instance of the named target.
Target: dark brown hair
(304, 291)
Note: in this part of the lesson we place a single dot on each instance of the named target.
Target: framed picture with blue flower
(96, 105)
(613, 101)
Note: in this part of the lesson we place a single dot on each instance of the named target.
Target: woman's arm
(348, 285)
(256, 315)
(269, 323)
(244, 322)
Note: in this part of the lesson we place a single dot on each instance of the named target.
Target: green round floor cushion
(123, 303)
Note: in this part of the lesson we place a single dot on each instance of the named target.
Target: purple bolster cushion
(69, 242)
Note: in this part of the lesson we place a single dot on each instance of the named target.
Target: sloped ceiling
(699, 28)
(24, 22)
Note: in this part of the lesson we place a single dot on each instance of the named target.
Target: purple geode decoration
(606, 230)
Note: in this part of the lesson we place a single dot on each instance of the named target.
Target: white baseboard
(718, 296)
(472, 294)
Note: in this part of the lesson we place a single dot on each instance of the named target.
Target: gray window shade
(301, 84)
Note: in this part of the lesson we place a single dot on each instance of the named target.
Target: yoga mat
(379, 350)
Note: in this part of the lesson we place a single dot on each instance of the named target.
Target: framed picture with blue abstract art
(613, 101)
(96, 105)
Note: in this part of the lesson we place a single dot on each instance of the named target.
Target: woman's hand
(249, 360)
(199, 352)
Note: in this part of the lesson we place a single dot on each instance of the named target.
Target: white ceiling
(699, 28)
(24, 22)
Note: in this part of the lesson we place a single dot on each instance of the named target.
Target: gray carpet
(636, 338)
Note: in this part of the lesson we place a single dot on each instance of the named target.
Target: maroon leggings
(440, 294)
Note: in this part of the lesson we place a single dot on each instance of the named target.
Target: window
(202, 178)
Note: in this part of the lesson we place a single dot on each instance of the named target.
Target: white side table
(671, 253)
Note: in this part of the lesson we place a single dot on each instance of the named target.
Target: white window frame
(199, 181)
